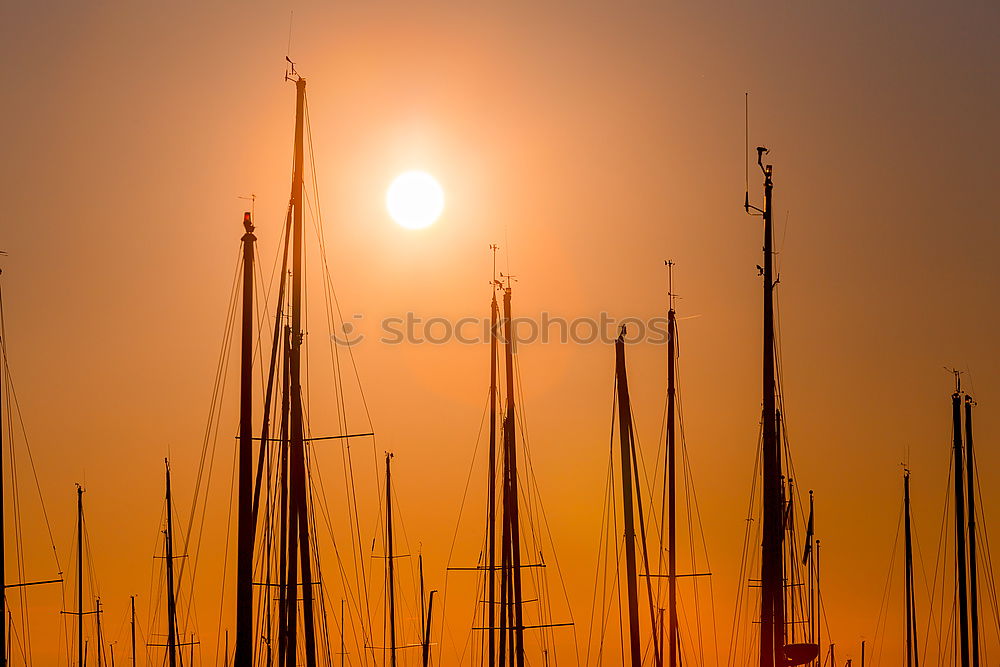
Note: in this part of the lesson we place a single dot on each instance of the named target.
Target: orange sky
(592, 140)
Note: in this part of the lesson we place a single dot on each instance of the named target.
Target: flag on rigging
(809, 535)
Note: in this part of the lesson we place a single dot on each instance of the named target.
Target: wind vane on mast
(669, 263)
(290, 73)
(761, 152)
(252, 198)
(958, 378)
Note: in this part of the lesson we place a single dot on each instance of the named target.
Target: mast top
(493, 248)
(291, 74)
(766, 170)
(247, 222)
(669, 263)
(505, 281)
(958, 379)
(761, 152)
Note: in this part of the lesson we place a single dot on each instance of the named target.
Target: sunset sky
(590, 141)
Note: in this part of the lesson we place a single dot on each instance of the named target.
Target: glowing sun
(415, 199)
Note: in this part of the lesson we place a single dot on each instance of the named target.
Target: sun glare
(415, 199)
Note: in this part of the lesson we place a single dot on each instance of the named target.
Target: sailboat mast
(960, 552)
(970, 471)
(286, 587)
(299, 543)
(171, 600)
(512, 526)
(390, 556)
(911, 621)
(79, 575)
(625, 438)
(3, 522)
(492, 483)
(426, 611)
(427, 631)
(132, 623)
(245, 526)
(671, 467)
(100, 640)
(772, 611)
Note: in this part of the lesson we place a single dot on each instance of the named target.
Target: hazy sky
(591, 140)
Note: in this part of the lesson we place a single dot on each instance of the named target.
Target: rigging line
(311, 517)
(883, 610)
(601, 572)
(13, 401)
(923, 570)
(216, 398)
(689, 478)
(603, 543)
(747, 559)
(641, 465)
(544, 522)
(983, 531)
(688, 486)
(938, 561)
(225, 560)
(19, 537)
(328, 275)
(327, 516)
(329, 293)
(461, 510)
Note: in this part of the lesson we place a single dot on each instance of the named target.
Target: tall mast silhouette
(390, 556)
(246, 523)
(772, 592)
(79, 576)
(132, 624)
(970, 471)
(298, 557)
(960, 527)
(511, 611)
(671, 468)
(625, 439)
(491, 530)
(3, 523)
(168, 546)
(912, 659)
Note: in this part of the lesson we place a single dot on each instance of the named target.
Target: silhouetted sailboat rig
(512, 560)
(774, 647)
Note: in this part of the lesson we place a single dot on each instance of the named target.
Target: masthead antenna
(746, 149)
(252, 198)
(669, 263)
(747, 206)
(494, 247)
(958, 378)
(290, 73)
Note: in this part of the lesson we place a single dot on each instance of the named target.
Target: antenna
(252, 198)
(761, 152)
(290, 73)
(494, 247)
(746, 148)
(958, 378)
(670, 282)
